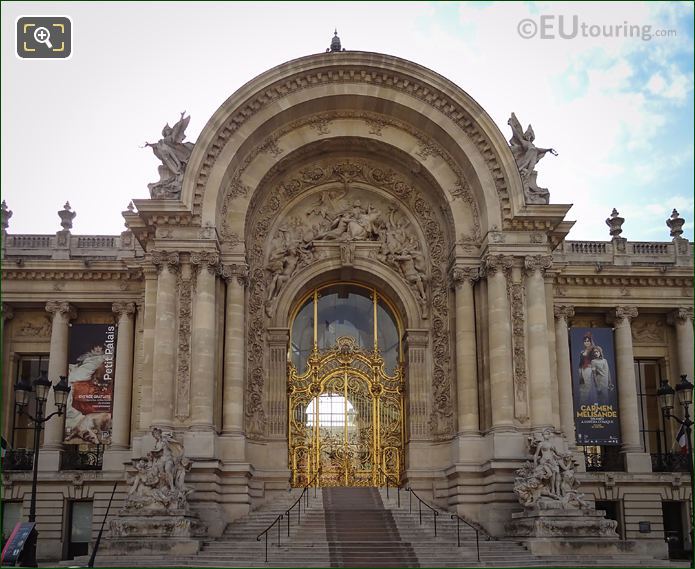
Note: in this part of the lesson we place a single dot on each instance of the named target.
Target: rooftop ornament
(6, 214)
(615, 223)
(527, 155)
(675, 224)
(335, 44)
(66, 216)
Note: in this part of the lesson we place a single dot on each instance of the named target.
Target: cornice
(77, 274)
(624, 280)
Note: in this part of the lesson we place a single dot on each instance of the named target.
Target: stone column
(555, 389)
(146, 377)
(233, 390)
(419, 383)
(165, 334)
(466, 353)
(8, 384)
(62, 312)
(203, 341)
(682, 319)
(563, 314)
(538, 360)
(7, 314)
(123, 380)
(500, 341)
(627, 386)
(276, 389)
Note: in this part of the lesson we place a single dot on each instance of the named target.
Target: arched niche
(298, 233)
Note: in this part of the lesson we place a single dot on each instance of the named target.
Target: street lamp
(684, 394)
(41, 387)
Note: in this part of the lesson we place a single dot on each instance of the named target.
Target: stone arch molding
(448, 126)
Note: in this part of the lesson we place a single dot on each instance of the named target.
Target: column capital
(168, 259)
(7, 311)
(123, 308)
(240, 271)
(61, 307)
(150, 272)
(680, 314)
(278, 336)
(563, 312)
(622, 315)
(537, 263)
(207, 259)
(461, 275)
(416, 337)
(494, 263)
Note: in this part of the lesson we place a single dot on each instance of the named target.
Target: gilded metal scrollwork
(346, 418)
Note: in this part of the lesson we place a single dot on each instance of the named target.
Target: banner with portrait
(91, 368)
(594, 386)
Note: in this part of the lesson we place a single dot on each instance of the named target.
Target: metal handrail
(101, 529)
(435, 512)
(280, 517)
(397, 486)
(458, 534)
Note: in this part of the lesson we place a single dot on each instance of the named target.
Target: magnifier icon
(42, 35)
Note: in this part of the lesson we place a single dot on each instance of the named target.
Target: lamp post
(684, 393)
(41, 387)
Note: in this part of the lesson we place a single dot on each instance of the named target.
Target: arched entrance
(346, 388)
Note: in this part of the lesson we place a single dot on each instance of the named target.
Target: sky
(615, 99)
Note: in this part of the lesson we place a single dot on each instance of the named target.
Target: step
(361, 527)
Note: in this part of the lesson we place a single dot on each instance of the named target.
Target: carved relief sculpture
(332, 218)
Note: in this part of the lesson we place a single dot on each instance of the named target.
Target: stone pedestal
(579, 531)
(174, 532)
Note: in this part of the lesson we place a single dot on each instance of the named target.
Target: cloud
(616, 109)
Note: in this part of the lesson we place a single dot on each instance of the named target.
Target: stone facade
(347, 166)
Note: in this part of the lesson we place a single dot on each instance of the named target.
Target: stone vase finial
(6, 214)
(66, 216)
(675, 224)
(615, 223)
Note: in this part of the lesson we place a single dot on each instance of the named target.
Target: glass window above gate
(353, 310)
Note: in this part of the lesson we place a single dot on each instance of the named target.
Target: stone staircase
(442, 550)
(361, 532)
(361, 527)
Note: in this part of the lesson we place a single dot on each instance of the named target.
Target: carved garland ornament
(361, 75)
(183, 354)
(516, 298)
(441, 420)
